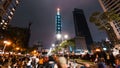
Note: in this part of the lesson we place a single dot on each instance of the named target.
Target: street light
(66, 36)
(58, 36)
(17, 48)
(6, 43)
(53, 45)
(62, 37)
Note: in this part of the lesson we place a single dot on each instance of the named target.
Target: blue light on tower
(58, 22)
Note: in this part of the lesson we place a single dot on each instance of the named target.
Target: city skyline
(42, 15)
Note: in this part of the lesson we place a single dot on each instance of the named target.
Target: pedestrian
(62, 62)
(29, 65)
(117, 61)
(45, 63)
(101, 63)
(51, 61)
(40, 63)
(75, 64)
(96, 58)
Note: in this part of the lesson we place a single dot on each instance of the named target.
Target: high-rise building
(7, 9)
(58, 27)
(113, 5)
(81, 27)
(58, 22)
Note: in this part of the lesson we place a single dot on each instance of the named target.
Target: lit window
(9, 17)
(11, 13)
(13, 9)
(17, 2)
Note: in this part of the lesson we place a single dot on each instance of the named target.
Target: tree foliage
(68, 43)
(18, 36)
(103, 20)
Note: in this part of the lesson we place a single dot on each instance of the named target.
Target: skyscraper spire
(58, 11)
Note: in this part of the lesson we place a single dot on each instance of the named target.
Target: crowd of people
(101, 59)
(27, 61)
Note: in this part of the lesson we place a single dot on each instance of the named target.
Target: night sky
(42, 15)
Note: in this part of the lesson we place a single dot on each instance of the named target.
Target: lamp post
(6, 43)
(60, 37)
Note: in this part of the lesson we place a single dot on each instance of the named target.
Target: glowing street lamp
(53, 45)
(58, 36)
(17, 48)
(66, 36)
(6, 43)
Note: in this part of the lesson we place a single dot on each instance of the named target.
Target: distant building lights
(58, 28)
(6, 23)
(13, 9)
(9, 17)
(1, 23)
(17, 2)
(11, 13)
(3, 28)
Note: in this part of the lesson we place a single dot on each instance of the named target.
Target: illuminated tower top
(58, 11)
(58, 22)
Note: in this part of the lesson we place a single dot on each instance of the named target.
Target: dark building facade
(81, 26)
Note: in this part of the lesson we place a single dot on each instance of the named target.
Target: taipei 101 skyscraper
(58, 25)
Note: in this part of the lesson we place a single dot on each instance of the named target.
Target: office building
(7, 9)
(81, 28)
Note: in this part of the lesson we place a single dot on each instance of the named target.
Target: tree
(18, 36)
(103, 22)
(65, 44)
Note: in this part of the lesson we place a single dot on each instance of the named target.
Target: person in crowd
(62, 62)
(69, 65)
(96, 58)
(41, 61)
(107, 58)
(29, 65)
(45, 63)
(36, 61)
(101, 63)
(117, 61)
(112, 60)
(51, 61)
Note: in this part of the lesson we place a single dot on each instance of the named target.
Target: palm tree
(103, 21)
